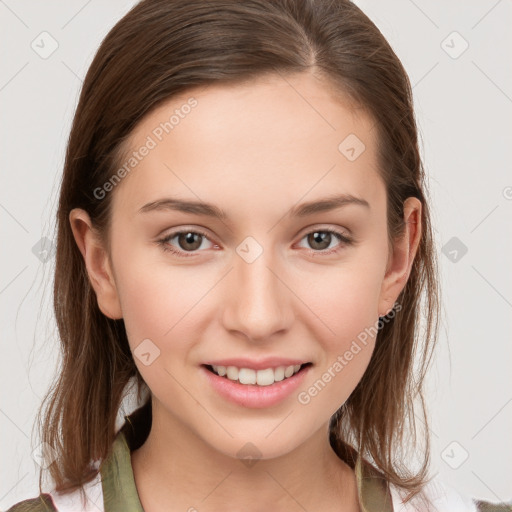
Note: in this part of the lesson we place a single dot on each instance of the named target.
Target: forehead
(272, 140)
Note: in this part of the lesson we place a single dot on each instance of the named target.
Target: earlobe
(402, 258)
(97, 263)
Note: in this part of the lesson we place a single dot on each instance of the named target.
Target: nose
(258, 302)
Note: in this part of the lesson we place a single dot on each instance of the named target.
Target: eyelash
(164, 242)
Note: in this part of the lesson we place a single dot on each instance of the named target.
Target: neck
(310, 477)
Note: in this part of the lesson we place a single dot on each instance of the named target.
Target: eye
(320, 239)
(188, 241)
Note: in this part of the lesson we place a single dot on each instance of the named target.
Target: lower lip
(252, 395)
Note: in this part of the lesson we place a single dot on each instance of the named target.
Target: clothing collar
(120, 492)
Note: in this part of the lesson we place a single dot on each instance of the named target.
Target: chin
(261, 446)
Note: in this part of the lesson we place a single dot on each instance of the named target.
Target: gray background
(463, 102)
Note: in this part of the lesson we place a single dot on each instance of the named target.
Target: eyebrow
(210, 210)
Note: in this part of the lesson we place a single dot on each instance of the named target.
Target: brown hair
(162, 48)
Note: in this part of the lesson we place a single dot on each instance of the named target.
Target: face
(271, 280)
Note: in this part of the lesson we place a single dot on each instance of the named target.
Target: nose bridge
(257, 303)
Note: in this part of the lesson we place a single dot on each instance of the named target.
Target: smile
(264, 377)
(252, 388)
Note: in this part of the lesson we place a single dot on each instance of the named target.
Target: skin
(255, 150)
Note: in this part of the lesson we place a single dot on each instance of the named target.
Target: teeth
(288, 372)
(279, 374)
(232, 372)
(264, 377)
(246, 376)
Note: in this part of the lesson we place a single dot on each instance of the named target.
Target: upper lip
(260, 364)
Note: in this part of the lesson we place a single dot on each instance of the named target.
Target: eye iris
(319, 237)
(188, 238)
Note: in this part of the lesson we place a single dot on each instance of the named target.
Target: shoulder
(43, 503)
(441, 497)
(88, 498)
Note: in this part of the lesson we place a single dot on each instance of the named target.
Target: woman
(244, 233)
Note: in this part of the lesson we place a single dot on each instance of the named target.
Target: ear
(97, 263)
(402, 257)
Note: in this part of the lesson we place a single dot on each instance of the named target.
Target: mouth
(263, 377)
(251, 388)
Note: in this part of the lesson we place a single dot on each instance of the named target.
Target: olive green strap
(43, 503)
(485, 506)
(373, 490)
(119, 489)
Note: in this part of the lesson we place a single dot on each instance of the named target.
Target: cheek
(347, 345)
(159, 319)
(161, 302)
(344, 299)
